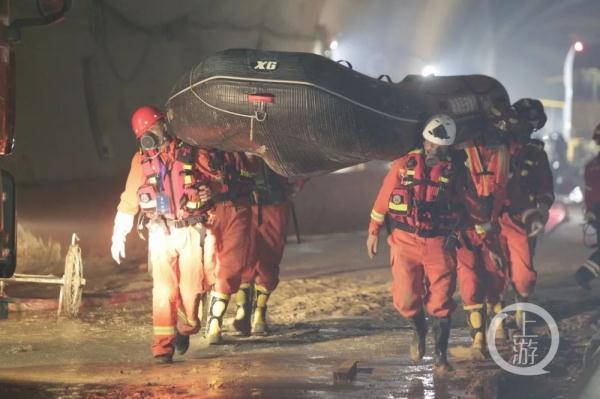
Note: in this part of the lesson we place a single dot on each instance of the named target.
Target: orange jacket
(592, 184)
(531, 182)
(489, 167)
(214, 169)
(458, 193)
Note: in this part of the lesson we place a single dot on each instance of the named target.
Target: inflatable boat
(305, 114)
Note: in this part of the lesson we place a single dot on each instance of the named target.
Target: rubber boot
(441, 332)
(243, 314)
(417, 345)
(216, 312)
(583, 276)
(491, 311)
(163, 359)
(476, 321)
(259, 316)
(182, 343)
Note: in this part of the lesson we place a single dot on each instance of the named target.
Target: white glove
(122, 227)
(117, 249)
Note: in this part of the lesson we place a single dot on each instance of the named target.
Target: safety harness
(170, 192)
(419, 204)
(487, 175)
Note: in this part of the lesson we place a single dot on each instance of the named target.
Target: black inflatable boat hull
(313, 115)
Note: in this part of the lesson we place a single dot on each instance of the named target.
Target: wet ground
(332, 308)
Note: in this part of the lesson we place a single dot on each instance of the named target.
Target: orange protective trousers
(268, 243)
(479, 279)
(423, 275)
(179, 280)
(519, 254)
(227, 245)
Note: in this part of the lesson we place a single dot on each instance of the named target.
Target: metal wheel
(73, 281)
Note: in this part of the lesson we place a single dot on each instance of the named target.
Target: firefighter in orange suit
(530, 194)
(227, 243)
(422, 195)
(270, 215)
(591, 268)
(167, 186)
(481, 276)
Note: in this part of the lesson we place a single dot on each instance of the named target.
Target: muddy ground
(332, 307)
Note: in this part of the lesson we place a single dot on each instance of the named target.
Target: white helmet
(440, 130)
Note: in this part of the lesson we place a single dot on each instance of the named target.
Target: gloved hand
(122, 227)
(204, 193)
(536, 228)
(117, 249)
(494, 249)
(372, 244)
(544, 212)
(496, 258)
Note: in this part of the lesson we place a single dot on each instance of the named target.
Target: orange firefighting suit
(531, 183)
(479, 278)
(423, 271)
(179, 279)
(268, 244)
(270, 216)
(227, 243)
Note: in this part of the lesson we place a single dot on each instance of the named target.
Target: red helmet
(143, 118)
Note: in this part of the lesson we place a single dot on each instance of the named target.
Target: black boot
(583, 276)
(182, 343)
(417, 345)
(243, 314)
(441, 331)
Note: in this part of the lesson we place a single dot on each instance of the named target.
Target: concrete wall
(78, 81)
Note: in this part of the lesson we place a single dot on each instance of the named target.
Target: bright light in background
(333, 45)
(429, 70)
(578, 46)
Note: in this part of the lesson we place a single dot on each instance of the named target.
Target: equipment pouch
(400, 201)
(147, 198)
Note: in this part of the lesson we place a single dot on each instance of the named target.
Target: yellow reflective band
(187, 166)
(376, 216)
(152, 180)
(164, 330)
(245, 173)
(528, 162)
(262, 289)
(473, 307)
(417, 151)
(398, 207)
(245, 285)
(410, 172)
(187, 180)
(443, 179)
(524, 172)
(219, 295)
(193, 205)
